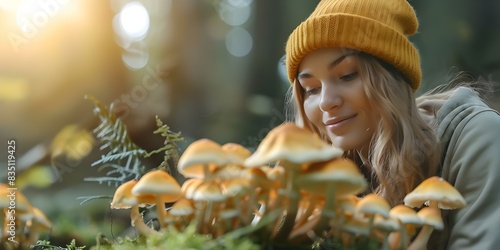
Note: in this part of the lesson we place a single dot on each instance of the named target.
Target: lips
(338, 120)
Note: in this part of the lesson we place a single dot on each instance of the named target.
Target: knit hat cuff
(353, 32)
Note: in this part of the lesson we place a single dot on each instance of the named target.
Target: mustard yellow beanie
(376, 27)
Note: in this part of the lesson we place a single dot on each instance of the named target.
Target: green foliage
(188, 239)
(123, 158)
(45, 245)
(170, 149)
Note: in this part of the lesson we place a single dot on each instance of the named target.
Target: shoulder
(464, 109)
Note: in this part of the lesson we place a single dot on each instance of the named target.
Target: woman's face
(334, 98)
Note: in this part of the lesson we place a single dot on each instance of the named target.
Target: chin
(344, 143)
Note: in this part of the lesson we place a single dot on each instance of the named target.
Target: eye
(312, 91)
(349, 77)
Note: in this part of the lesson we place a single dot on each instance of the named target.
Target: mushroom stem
(293, 205)
(399, 238)
(309, 209)
(422, 238)
(160, 209)
(138, 222)
(201, 207)
(34, 233)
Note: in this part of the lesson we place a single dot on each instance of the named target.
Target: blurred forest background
(208, 68)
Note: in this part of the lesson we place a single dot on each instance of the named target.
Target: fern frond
(170, 148)
(123, 155)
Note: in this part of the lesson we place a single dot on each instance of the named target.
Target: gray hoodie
(469, 132)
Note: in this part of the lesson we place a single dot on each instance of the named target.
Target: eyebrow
(330, 66)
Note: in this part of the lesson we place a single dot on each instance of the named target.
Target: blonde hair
(404, 150)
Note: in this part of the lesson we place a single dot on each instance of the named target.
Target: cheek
(312, 111)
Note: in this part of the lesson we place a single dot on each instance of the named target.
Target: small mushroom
(408, 220)
(182, 210)
(431, 220)
(163, 186)
(38, 223)
(206, 196)
(201, 158)
(385, 226)
(124, 199)
(371, 205)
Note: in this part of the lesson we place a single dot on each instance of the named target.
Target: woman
(354, 73)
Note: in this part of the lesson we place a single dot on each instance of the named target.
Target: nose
(330, 98)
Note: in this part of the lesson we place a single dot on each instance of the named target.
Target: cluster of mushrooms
(22, 222)
(309, 192)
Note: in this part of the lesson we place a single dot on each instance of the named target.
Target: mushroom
(236, 155)
(163, 186)
(189, 186)
(206, 195)
(235, 189)
(437, 193)
(38, 223)
(291, 146)
(371, 205)
(335, 179)
(183, 210)
(408, 219)
(18, 210)
(431, 220)
(124, 199)
(385, 226)
(201, 158)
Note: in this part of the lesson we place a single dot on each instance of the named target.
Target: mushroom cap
(189, 186)
(158, 182)
(405, 214)
(357, 226)
(293, 144)
(237, 186)
(228, 171)
(435, 189)
(373, 204)
(386, 224)
(431, 217)
(124, 199)
(236, 153)
(347, 205)
(201, 153)
(182, 207)
(343, 173)
(258, 177)
(209, 191)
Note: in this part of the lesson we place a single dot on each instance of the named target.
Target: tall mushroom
(291, 146)
(163, 186)
(438, 194)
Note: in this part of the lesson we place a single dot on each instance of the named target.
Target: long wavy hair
(404, 149)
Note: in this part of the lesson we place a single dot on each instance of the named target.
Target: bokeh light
(239, 42)
(134, 21)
